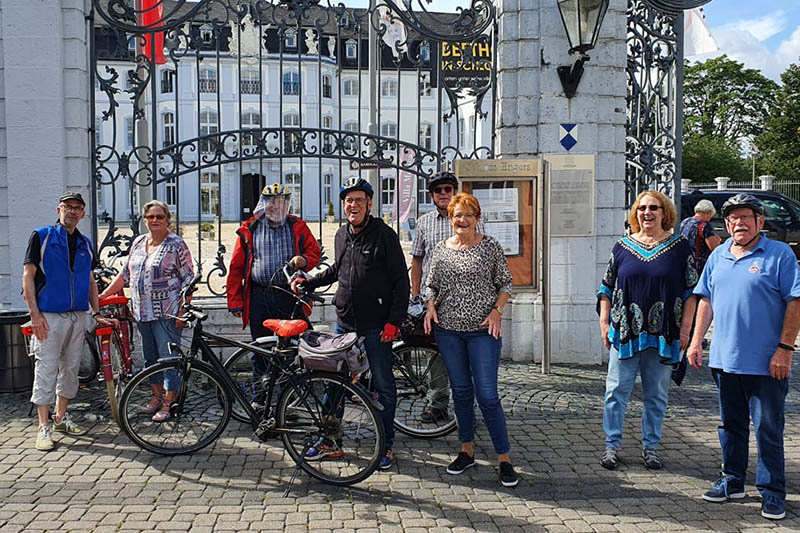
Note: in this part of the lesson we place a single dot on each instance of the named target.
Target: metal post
(546, 268)
(373, 50)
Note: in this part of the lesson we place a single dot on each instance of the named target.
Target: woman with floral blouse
(467, 287)
(158, 267)
(646, 314)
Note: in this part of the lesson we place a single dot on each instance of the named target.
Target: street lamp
(582, 20)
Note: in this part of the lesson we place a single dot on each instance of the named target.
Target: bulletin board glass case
(508, 192)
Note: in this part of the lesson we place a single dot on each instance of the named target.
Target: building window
(207, 33)
(350, 87)
(344, 21)
(327, 183)
(389, 129)
(209, 193)
(473, 122)
(167, 81)
(249, 82)
(98, 131)
(291, 139)
(387, 191)
(100, 200)
(351, 140)
(290, 40)
(291, 83)
(327, 138)
(389, 88)
(169, 129)
(292, 180)
(423, 196)
(425, 51)
(208, 80)
(424, 85)
(129, 133)
(132, 44)
(461, 134)
(209, 125)
(171, 196)
(350, 49)
(327, 88)
(426, 136)
(250, 121)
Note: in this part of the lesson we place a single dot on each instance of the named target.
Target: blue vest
(63, 290)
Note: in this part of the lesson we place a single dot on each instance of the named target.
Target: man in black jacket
(371, 299)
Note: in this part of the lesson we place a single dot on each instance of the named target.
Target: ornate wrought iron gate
(200, 104)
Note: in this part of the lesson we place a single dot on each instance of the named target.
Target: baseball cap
(72, 196)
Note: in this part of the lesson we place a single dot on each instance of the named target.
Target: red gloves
(390, 332)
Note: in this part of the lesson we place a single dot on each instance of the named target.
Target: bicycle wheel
(116, 386)
(247, 369)
(198, 415)
(326, 409)
(422, 382)
(90, 360)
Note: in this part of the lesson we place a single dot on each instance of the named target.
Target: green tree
(724, 100)
(780, 142)
(706, 158)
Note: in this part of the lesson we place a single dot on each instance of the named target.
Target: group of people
(658, 297)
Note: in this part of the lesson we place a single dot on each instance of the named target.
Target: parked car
(781, 213)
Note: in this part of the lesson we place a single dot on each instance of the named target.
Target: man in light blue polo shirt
(750, 288)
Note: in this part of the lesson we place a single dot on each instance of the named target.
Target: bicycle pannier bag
(322, 350)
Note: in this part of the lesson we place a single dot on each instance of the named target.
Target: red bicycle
(115, 345)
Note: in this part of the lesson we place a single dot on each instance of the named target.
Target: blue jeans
(472, 359)
(763, 398)
(379, 355)
(619, 385)
(155, 336)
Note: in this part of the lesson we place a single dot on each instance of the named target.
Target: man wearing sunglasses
(431, 229)
(58, 286)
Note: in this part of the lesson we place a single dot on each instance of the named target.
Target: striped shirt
(272, 248)
(432, 228)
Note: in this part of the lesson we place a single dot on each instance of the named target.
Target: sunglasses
(650, 207)
(446, 189)
(155, 217)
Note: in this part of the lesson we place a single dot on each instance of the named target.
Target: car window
(776, 212)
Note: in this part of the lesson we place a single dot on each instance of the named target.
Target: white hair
(705, 206)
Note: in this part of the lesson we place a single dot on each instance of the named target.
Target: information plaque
(571, 195)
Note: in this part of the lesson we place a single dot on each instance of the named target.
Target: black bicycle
(305, 417)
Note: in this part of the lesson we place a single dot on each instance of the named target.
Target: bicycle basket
(412, 330)
(322, 350)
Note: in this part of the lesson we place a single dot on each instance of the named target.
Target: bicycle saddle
(285, 328)
(117, 299)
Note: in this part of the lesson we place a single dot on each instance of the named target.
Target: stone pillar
(766, 182)
(722, 183)
(44, 109)
(532, 43)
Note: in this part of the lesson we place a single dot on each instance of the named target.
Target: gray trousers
(58, 358)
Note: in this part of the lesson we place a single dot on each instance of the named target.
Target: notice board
(507, 190)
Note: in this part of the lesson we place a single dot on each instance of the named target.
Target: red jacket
(238, 282)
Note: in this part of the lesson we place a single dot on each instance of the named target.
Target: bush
(330, 209)
(207, 226)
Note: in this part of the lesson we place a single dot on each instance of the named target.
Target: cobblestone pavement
(101, 482)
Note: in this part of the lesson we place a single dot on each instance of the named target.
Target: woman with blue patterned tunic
(646, 314)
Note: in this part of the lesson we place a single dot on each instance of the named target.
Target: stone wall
(532, 105)
(44, 109)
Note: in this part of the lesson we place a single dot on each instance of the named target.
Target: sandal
(152, 407)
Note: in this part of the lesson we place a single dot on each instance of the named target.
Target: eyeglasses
(355, 201)
(73, 208)
(155, 217)
(733, 219)
(446, 189)
(651, 207)
(460, 216)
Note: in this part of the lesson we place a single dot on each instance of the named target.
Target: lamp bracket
(571, 76)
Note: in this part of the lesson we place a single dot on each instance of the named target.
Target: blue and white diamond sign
(568, 135)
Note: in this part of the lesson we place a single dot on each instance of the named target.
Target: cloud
(761, 28)
(789, 51)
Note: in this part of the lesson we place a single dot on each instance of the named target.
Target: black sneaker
(609, 459)
(507, 475)
(651, 460)
(462, 462)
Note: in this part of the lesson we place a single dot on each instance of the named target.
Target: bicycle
(115, 345)
(306, 413)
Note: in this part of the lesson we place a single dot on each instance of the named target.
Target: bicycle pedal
(266, 429)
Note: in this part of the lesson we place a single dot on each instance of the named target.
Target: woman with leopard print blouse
(467, 287)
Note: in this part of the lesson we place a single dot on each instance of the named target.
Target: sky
(762, 34)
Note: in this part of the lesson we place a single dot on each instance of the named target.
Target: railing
(786, 188)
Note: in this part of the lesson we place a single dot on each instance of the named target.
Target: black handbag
(679, 370)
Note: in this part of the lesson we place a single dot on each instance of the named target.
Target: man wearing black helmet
(431, 229)
(371, 299)
(750, 287)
